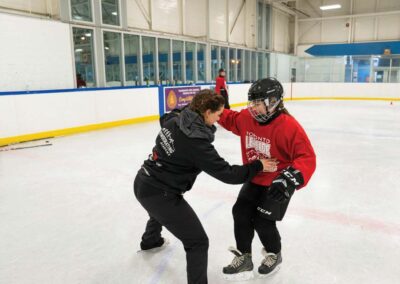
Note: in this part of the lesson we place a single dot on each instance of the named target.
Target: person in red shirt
(266, 130)
(221, 88)
(80, 83)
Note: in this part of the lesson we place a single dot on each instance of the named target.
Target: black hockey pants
(247, 220)
(174, 213)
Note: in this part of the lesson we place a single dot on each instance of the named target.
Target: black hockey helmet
(264, 99)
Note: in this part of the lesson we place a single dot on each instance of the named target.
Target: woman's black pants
(174, 213)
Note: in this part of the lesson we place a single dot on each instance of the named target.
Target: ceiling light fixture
(330, 7)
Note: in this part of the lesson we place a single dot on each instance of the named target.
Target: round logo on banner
(172, 100)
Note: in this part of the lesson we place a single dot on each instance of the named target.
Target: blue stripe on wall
(148, 58)
(370, 48)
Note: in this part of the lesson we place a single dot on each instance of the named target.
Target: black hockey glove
(284, 185)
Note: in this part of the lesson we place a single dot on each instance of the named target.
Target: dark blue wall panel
(370, 48)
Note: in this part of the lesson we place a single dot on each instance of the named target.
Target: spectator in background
(221, 88)
(80, 83)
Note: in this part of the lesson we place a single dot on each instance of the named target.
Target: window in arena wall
(223, 59)
(263, 24)
(260, 26)
(268, 26)
(84, 57)
(381, 66)
(247, 73)
(148, 59)
(112, 57)
(164, 56)
(262, 61)
(110, 12)
(239, 64)
(395, 70)
(232, 65)
(361, 69)
(177, 61)
(201, 63)
(190, 48)
(81, 10)
(253, 76)
(132, 62)
(214, 61)
(348, 68)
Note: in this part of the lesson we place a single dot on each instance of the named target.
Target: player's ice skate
(270, 264)
(155, 248)
(240, 269)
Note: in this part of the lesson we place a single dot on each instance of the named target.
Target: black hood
(193, 125)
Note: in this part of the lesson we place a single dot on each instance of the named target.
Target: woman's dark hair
(206, 99)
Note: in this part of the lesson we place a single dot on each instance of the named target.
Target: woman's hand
(269, 165)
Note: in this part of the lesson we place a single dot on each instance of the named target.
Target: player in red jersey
(266, 130)
(221, 88)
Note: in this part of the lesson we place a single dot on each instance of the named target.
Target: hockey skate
(240, 269)
(270, 264)
(158, 247)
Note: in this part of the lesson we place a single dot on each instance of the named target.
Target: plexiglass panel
(201, 63)
(190, 66)
(112, 56)
(84, 57)
(164, 61)
(132, 56)
(148, 59)
(177, 59)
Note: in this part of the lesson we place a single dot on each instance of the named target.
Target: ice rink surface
(68, 213)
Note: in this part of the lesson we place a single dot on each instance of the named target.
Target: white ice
(68, 213)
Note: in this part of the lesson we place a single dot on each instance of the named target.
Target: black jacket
(183, 149)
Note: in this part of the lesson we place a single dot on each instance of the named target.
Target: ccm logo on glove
(284, 185)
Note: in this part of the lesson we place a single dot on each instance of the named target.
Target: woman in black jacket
(183, 150)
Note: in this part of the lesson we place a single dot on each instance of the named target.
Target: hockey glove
(284, 185)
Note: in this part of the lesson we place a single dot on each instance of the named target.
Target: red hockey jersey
(283, 139)
(220, 84)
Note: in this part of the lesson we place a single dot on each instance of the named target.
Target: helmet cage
(263, 109)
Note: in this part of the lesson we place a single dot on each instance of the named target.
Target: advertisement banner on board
(178, 97)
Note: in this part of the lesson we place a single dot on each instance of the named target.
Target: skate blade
(157, 249)
(272, 273)
(242, 276)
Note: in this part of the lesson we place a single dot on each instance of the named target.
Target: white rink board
(26, 114)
